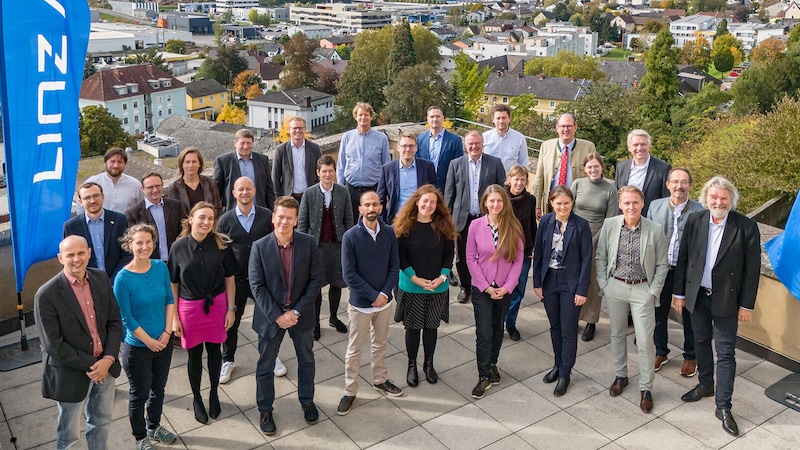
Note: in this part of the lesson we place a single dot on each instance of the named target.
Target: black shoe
(494, 375)
(630, 321)
(464, 295)
(513, 333)
(317, 332)
(728, 422)
(561, 387)
(310, 413)
(697, 393)
(339, 325)
(412, 378)
(452, 279)
(213, 405)
(551, 376)
(588, 332)
(480, 389)
(267, 423)
(388, 388)
(345, 405)
(430, 373)
(200, 411)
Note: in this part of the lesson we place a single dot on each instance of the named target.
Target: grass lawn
(618, 54)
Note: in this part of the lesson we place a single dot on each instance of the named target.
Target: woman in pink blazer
(494, 258)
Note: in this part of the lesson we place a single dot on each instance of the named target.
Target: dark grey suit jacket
(243, 240)
(283, 167)
(269, 287)
(67, 348)
(389, 185)
(655, 181)
(452, 148)
(115, 226)
(737, 268)
(226, 172)
(456, 191)
(173, 215)
(311, 205)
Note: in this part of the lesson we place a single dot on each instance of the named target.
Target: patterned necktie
(563, 167)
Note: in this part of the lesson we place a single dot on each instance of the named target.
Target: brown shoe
(660, 361)
(618, 386)
(689, 368)
(647, 401)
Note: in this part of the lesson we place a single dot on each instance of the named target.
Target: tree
(227, 65)
(722, 28)
(660, 81)
(722, 52)
(427, 87)
(692, 110)
(253, 91)
(344, 51)
(327, 81)
(759, 88)
(149, 56)
(219, 32)
(259, 19)
(566, 64)
(794, 37)
(232, 114)
(470, 81)
(88, 67)
(243, 82)
(175, 46)
(206, 70)
(767, 51)
(100, 130)
(652, 26)
(741, 13)
(401, 55)
(697, 52)
(298, 53)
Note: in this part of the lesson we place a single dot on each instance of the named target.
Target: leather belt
(641, 280)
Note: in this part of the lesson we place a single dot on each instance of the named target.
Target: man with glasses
(163, 213)
(399, 179)
(295, 167)
(101, 228)
(560, 161)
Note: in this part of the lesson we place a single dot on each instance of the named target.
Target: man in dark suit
(295, 162)
(101, 228)
(399, 179)
(285, 276)
(644, 171)
(163, 213)
(463, 197)
(244, 224)
(80, 344)
(439, 146)
(243, 162)
(721, 294)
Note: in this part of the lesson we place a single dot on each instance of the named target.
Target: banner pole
(23, 340)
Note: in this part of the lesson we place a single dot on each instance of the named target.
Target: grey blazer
(456, 191)
(655, 181)
(661, 212)
(311, 206)
(283, 167)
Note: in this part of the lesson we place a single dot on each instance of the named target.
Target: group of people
(185, 264)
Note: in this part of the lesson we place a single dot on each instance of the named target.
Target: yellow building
(205, 99)
(502, 87)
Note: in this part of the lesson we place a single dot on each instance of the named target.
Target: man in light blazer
(463, 197)
(631, 268)
(718, 295)
(643, 170)
(80, 346)
(400, 178)
(294, 168)
(165, 214)
(439, 146)
(285, 276)
(101, 228)
(243, 162)
(548, 166)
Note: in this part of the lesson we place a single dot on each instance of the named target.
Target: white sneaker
(280, 369)
(226, 372)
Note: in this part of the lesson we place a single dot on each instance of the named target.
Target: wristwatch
(443, 276)
(232, 308)
(296, 313)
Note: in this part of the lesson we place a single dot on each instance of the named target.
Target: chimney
(631, 58)
(518, 75)
(635, 84)
(498, 74)
(308, 102)
(541, 76)
(571, 79)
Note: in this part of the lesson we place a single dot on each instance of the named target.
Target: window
(136, 131)
(200, 100)
(124, 120)
(159, 100)
(136, 119)
(211, 98)
(160, 114)
(169, 98)
(135, 104)
(169, 111)
(505, 99)
(552, 104)
(483, 110)
(124, 106)
(222, 96)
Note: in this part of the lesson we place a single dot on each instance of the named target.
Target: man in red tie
(559, 161)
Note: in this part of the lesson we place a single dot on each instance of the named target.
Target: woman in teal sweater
(425, 236)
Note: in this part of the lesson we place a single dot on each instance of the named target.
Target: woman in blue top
(147, 308)
(425, 236)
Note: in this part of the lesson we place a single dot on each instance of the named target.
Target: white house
(684, 30)
(269, 110)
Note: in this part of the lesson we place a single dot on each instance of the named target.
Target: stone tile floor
(520, 413)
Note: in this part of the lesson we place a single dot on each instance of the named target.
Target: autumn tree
(427, 87)
(741, 13)
(652, 26)
(344, 51)
(232, 114)
(243, 82)
(767, 51)
(697, 52)
(100, 130)
(327, 81)
(175, 46)
(259, 19)
(722, 52)
(401, 55)
(469, 81)
(253, 91)
(298, 53)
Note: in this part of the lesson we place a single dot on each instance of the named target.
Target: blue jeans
(98, 407)
(519, 292)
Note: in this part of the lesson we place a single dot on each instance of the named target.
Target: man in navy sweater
(370, 265)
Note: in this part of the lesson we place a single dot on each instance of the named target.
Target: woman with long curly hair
(494, 257)
(425, 240)
(202, 268)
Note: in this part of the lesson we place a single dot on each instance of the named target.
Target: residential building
(563, 36)
(447, 52)
(205, 98)
(141, 96)
(335, 41)
(269, 110)
(752, 34)
(686, 29)
(340, 16)
(444, 34)
(549, 91)
(229, 5)
(311, 31)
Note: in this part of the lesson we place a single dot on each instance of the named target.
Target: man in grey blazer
(631, 268)
(463, 197)
(671, 213)
(243, 162)
(551, 159)
(294, 168)
(80, 345)
(643, 170)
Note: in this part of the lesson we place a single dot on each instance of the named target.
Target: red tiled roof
(100, 86)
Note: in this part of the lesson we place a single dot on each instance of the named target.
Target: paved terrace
(520, 413)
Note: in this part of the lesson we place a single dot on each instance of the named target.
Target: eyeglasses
(92, 197)
(565, 126)
(156, 186)
(297, 128)
(407, 146)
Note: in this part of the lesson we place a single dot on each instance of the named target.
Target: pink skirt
(199, 327)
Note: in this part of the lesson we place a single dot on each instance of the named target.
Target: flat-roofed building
(336, 15)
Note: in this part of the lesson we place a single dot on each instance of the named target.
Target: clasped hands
(428, 285)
